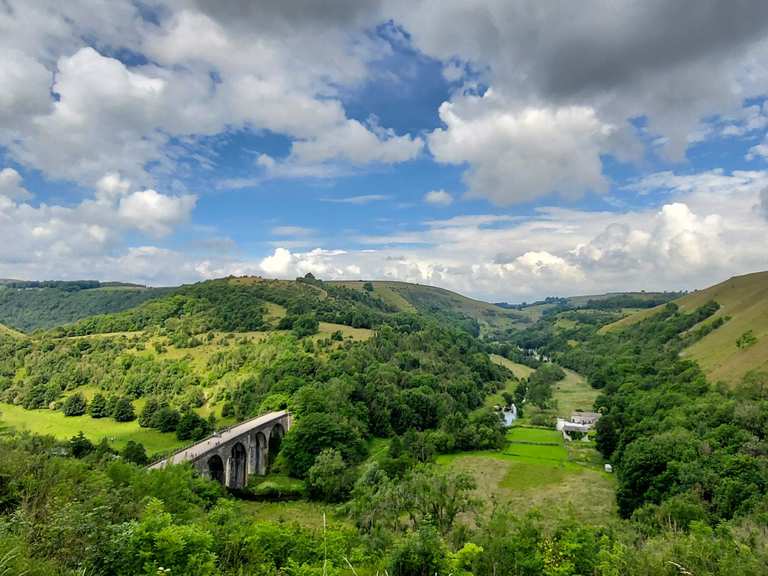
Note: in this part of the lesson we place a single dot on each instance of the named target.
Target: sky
(508, 150)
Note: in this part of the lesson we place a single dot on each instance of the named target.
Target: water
(510, 415)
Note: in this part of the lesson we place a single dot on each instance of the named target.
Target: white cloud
(358, 200)
(278, 263)
(519, 155)
(155, 213)
(10, 185)
(438, 197)
(292, 231)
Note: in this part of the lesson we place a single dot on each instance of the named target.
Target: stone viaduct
(231, 455)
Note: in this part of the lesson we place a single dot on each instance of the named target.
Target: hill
(408, 297)
(29, 306)
(728, 352)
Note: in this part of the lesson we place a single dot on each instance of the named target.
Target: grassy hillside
(744, 304)
(408, 297)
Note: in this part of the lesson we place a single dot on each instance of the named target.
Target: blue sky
(169, 142)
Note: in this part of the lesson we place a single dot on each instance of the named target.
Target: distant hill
(409, 297)
(29, 306)
(741, 343)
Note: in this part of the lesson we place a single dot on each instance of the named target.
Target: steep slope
(744, 305)
(6, 331)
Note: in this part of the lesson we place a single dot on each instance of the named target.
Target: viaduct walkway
(231, 455)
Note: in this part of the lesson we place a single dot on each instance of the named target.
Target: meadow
(118, 434)
(537, 471)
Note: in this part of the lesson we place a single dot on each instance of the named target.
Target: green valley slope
(409, 297)
(744, 304)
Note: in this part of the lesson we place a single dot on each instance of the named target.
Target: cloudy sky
(506, 149)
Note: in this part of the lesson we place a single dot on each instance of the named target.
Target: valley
(394, 391)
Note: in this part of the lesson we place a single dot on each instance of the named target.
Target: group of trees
(80, 508)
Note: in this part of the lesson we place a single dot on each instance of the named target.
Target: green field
(519, 370)
(742, 299)
(54, 422)
(537, 470)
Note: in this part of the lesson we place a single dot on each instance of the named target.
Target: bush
(166, 419)
(80, 446)
(329, 478)
(192, 427)
(75, 405)
(123, 411)
(98, 406)
(305, 325)
(135, 452)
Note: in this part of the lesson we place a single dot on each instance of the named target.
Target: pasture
(536, 470)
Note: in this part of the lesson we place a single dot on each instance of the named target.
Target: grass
(7, 331)
(537, 470)
(64, 427)
(574, 393)
(356, 334)
(519, 370)
(744, 299)
(303, 512)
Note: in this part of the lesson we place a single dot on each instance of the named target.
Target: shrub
(75, 405)
(98, 406)
(135, 452)
(123, 411)
(329, 478)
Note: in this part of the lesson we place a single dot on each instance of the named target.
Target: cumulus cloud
(10, 185)
(438, 197)
(672, 64)
(519, 156)
(763, 205)
(155, 213)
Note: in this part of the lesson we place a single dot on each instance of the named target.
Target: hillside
(743, 304)
(29, 306)
(409, 297)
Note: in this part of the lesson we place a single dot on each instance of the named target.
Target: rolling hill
(744, 305)
(409, 297)
(29, 306)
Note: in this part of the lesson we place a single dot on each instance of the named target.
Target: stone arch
(238, 471)
(216, 468)
(275, 440)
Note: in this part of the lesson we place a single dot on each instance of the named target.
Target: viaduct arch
(232, 455)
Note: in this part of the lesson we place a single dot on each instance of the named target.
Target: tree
(329, 478)
(165, 419)
(421, 553)
(135, 452)
(368, 287)
(305, 325)
(192, 427)
(80, 446)
(123, 411)
(314, 432)
(75, 405)
(148, 412)
(435, 495)
(98, 406)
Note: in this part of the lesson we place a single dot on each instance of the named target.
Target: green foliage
(33, 306)
(98, 406)
(330, 478)
(315, 432)
(420, 553)
(80, 446)
(746, 340)
(135, 452)
(122, 411)
(74, 405)
(192, 427)
(305, 325)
